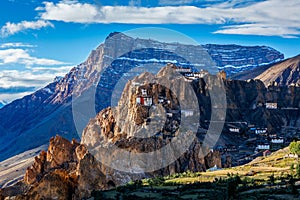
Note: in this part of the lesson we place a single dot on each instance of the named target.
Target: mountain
(252, 73)
(234, 58)
(157, 116)
(29, 122)
(284, 73)
(13, 169)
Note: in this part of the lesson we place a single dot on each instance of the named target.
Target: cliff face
(61, 153)
(65, 171)
(234, 58)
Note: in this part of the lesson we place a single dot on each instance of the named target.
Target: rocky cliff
(234, 58)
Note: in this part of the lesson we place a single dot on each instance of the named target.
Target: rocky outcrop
(35, 172)
(56, 184)
(76, 177)
(61, 154)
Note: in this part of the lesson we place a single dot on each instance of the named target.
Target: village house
(271, 105)
(230, 148)
(259, 104)
(234, 130)
(136, 83)
(144, 92)
(161, 99)
(266, 153)
(263, 146)
(183, 70)
(187, 113)
(196, 75)
(277, 140)
(144, 99)
(169, 114)
(261, 130)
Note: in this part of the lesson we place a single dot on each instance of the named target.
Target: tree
(297, 170)
(295, 148)
(272, 179)
(232, 185)
(291, 185)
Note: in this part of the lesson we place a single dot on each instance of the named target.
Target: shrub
(295, 148)
(298, 170)
(232, 185)
(272, 179)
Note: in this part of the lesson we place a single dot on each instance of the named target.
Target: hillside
(251, 74)
(13, 169)
(284, 73)
(268, 177)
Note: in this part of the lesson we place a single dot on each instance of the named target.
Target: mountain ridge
(48, 111)
(263, 72)
(285, 73)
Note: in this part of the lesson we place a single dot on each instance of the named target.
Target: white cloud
(261, 18)
(87, 13)
(30, 78)
(15, 45)
(16, 78)
(59, 71)
(6, 97)
(21, 56)
(269, 18)
(23, 73)
(70, 11)
(261, 29)
(13, 28)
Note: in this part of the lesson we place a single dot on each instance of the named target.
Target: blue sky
(40, 40)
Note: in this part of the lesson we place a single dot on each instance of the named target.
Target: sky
(40, 40)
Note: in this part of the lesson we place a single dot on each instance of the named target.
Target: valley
(143, 121)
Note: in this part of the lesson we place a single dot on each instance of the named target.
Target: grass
(271, 177)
